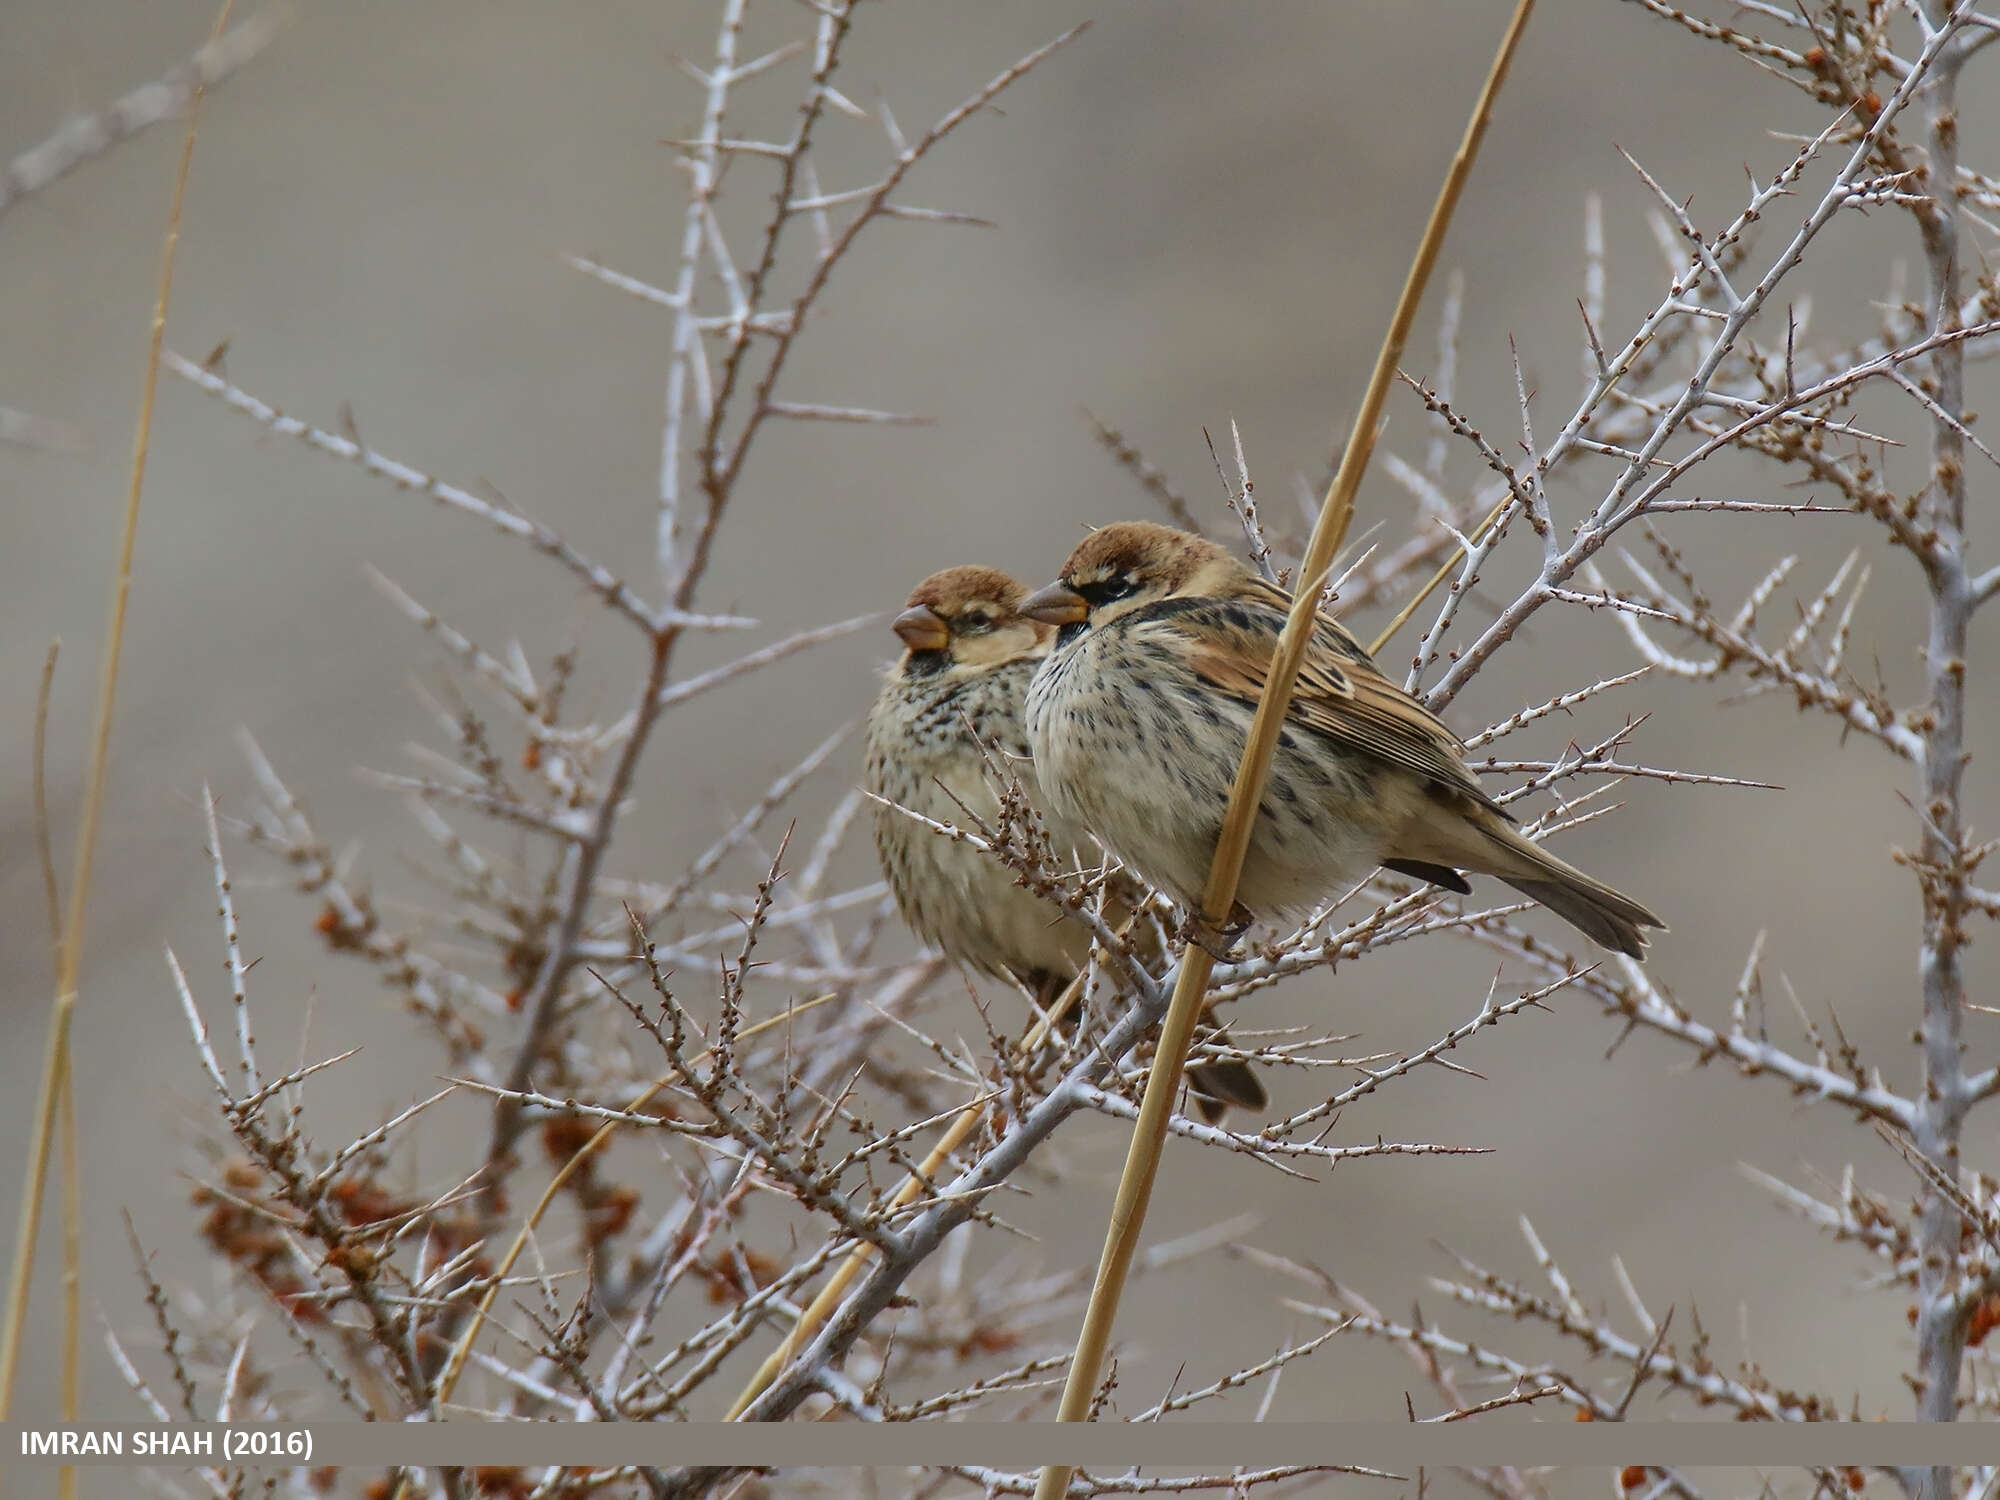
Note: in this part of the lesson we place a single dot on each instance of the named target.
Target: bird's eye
(1102, 591)
(974, 624)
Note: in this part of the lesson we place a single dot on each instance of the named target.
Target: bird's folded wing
(1341, 693)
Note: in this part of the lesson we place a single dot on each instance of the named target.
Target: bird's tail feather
(1598, 912)
(1489, 845)
(1217, 1086)
(1607, 917)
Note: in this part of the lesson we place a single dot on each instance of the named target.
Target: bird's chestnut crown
(1130, 564)
(965, 617)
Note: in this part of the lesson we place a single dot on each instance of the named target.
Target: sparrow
(1138, 716)
(958, 686)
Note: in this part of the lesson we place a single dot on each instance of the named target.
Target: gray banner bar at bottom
(1186, 1447)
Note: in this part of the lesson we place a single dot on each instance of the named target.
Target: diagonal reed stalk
(822, 1306)
(462, 1350)
(1135, 1186)
(55, 1110)
(72, 1225)
(1475, 536)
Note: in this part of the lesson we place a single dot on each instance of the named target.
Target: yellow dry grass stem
(1135, 1186)
(1444, 571)
(55, 1112)
(72, 1225)
(462, 1350)
(822, 1306)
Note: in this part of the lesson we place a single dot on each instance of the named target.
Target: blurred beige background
(1204, 212)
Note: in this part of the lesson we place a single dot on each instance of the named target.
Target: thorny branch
(724, 1016)
(92, 134)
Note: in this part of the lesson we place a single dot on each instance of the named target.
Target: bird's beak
(922, 630)
(1058, 604)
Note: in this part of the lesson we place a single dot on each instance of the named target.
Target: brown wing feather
(1341, 693)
